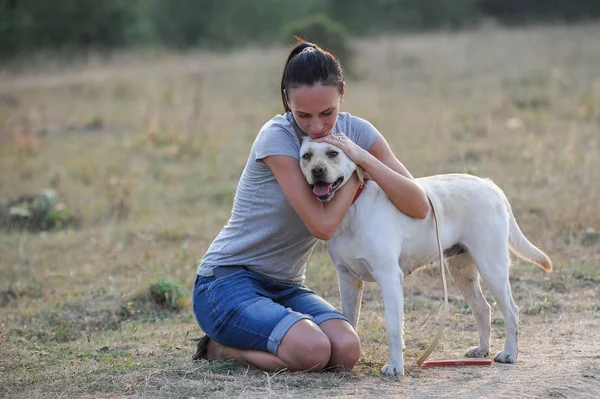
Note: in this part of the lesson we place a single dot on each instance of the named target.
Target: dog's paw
(393, 370)
(505, 357)
(477, 352)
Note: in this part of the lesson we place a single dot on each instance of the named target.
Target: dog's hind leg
(493, 266)
(466, 277)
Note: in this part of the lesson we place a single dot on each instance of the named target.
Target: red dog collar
(358, 191)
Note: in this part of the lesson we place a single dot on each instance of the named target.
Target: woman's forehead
(314, 97)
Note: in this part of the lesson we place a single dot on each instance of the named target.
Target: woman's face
(315, 108)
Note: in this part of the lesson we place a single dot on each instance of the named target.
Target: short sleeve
(361, 131)
(275, 138)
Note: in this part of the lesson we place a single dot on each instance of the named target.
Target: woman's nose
(317, 126)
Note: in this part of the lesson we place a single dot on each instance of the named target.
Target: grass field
(146, 149)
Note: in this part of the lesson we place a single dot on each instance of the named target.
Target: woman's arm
(321, 218)
(389, 173)
(382, 151)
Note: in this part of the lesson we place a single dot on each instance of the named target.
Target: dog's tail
(520, 245)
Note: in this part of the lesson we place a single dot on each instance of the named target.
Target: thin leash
(444, 315)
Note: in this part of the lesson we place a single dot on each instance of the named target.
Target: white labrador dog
(377, 242)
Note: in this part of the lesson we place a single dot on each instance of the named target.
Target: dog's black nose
(318, 171)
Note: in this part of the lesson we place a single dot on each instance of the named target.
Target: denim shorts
(250, 311)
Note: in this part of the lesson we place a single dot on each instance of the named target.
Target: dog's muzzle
(324, 190)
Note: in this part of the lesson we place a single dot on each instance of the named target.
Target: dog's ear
(360, 173)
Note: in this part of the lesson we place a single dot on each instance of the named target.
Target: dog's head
(325, 167)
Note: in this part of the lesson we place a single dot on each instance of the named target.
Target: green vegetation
(167, 294)
(34, 25)
(36, 213)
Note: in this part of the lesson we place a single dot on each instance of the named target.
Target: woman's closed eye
(324, 113)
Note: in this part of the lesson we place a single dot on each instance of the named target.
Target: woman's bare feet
(215, 351)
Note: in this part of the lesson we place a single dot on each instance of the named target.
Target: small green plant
(36, 213)
(166, 293)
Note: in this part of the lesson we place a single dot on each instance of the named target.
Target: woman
(249, 295)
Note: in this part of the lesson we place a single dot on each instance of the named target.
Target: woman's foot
(215, 351)
(209, 350)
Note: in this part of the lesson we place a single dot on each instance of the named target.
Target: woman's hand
(350, 148)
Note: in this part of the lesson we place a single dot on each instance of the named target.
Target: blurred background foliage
(28, 26)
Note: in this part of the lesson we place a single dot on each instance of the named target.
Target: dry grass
(147, 150)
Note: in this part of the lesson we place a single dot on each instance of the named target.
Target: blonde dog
(376, 242)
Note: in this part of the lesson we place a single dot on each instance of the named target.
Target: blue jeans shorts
(251, 311)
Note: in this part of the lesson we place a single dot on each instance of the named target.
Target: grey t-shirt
(264, 232)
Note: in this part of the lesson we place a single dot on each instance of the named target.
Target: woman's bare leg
(247, 357)
(304, 347)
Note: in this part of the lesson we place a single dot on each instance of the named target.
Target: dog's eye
(307, 156)
(332, 154)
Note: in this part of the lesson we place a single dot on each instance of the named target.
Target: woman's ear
(342, 92)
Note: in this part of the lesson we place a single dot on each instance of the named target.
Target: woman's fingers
(338, 140)
(342, 142)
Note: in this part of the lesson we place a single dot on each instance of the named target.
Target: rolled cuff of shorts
(330, 316)
(282, 328)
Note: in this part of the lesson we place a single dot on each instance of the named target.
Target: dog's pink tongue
(321, 189)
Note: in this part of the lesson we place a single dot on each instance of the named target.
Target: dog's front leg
(393, 301)
(351, 290)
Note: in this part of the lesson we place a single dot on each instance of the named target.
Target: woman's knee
(345, 343)
(305, 347)
(345, 350)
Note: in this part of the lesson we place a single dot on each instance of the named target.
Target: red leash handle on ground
(462, 362)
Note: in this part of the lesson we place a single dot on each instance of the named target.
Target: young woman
(249, 296)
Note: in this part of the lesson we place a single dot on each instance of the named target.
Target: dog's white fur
(377, 242)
